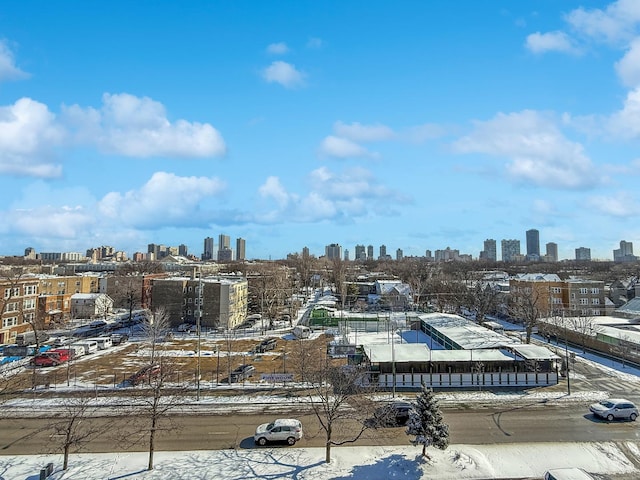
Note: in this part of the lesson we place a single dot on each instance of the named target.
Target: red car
(51, 358)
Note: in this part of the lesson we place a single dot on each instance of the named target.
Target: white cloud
(538, 152)
(333, 146)
(8, 68)
(550, 42)
(283, 73)
(620, 205)
(351, 193)
(277, 48)
(363, 133)
(616, 22)
(29, 135)
(628, 67)
(165, 200)
(272, 188)
(626, 122)
(138, 127)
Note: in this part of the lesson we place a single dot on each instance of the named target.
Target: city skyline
(417, 126)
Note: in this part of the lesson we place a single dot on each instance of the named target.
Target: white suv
(281, 430)
(615, 408)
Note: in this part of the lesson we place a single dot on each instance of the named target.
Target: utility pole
(198, 327)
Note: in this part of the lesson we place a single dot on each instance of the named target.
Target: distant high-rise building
(361, 252)
(346, 254)
(583, 253)
(399, 254)
(370, 252)
(533, 244)
(510, 248)
(333, 251)
(225, 255)
(552, 252)
(183, 251)
(624, 253)
(383, 251)
(428, 255)
(207, 253)
(224, 241)
(30, 253)
(490, 251)
(241, 245)
(305, 252)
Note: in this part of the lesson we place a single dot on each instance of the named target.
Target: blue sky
(417, 125)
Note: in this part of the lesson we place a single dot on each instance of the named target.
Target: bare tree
(526, 305)
(482, 300)
(156, 398)
(583, 326)
(339, 396)
(73, 427)
(155, 328)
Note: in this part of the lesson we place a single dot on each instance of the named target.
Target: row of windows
(15, 291)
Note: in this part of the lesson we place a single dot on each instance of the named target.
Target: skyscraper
(552, 252)
(510, 248)
(333, 251)
(399, 254)
(224, 241)
(370, 252)
(240, 249)
(533, 243)
(490, 250)
(383, 252)
(583, 253)
(361, 252)
(624, 253)
(207, 254)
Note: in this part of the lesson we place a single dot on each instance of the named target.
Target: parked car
(615, 408)
(241, 373)
(393, 414)
(281, 430)
(570, 473)
(51, 358)
(266, 345)
(118, 338)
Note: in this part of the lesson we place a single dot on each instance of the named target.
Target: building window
(556, 290)
(30, 290)
(584, 313)
(584, 291)
(584, 301)
(573, 294)
(11, 307)
(9, 322)
(595, 311)
(190, 300)
(595, 291)
(595, 301)
(29, 304)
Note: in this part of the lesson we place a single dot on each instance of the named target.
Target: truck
(29, 338)
(301, 331)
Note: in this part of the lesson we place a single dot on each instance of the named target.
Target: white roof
(417, 352)
(465, 333)
(534, 352)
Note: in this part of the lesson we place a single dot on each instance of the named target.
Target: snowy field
(352, 463)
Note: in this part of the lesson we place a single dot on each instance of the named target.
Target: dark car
(266, 345)
(393, 414)
(241, 373)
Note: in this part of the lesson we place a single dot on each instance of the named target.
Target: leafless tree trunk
(155, 329)
(73, 427)
(337, 397)
(526, 305)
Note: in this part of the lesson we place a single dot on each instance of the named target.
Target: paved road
(518, 424)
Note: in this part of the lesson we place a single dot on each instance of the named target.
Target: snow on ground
(347, 463)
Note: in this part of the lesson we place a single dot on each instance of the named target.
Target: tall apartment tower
(552, 252)
(583, 254)
(305, 252)
(183, 251)
(224, 241)
(490, 250)
(241, 245)
(383, 251)
(533, 243)
(333, 251)
(370, 252)
(624, 253)
(510, 248)
(346, 254)
(399, 254)
(361, 252)
(207, 253)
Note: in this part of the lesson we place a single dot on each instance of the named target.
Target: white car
(615, 408)
(281, 430)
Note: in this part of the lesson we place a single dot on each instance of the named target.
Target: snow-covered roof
(534, 352)
(465, 333)
(537, 277)
(85, 296)
(419, 352)
(632, 306)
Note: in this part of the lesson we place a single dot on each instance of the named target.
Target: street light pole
(198, 327)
